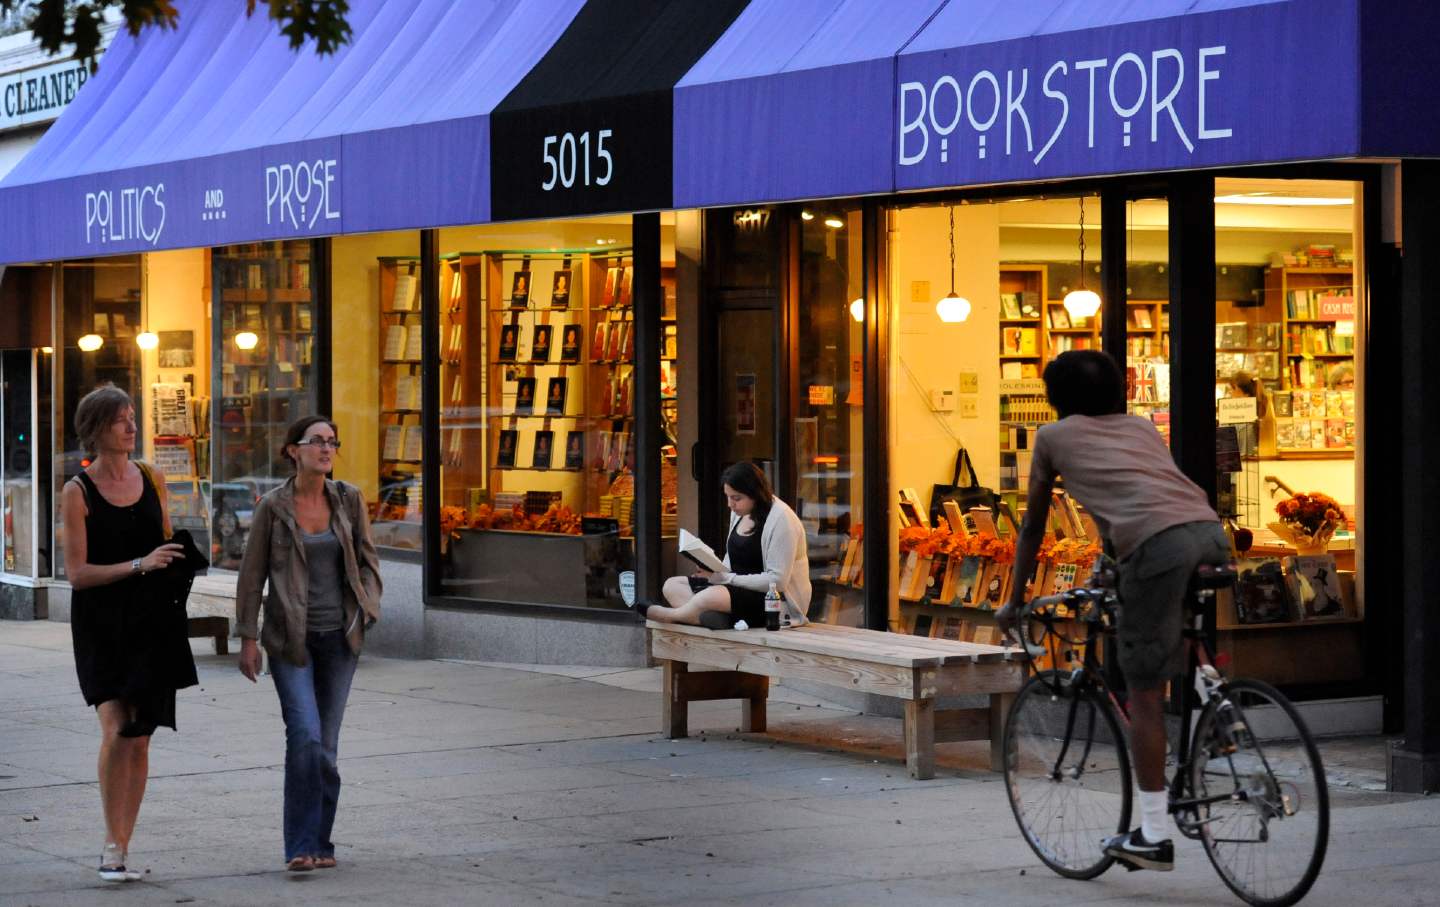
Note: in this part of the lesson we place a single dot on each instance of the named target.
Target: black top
(746, 556)
(130, 637)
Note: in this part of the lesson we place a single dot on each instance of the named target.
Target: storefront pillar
(1415, 759)
(875, 443)
(430, 405)
(1192, 327)
(649, 436)
(1115, 317)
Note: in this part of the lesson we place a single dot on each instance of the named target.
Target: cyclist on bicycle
(1160, 527)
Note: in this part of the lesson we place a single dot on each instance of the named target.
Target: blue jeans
(312, 701)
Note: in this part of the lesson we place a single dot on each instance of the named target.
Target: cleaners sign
(39, 95)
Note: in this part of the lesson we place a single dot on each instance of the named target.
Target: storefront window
(376, 382)
(537, 410)
(264, 330)
(829, 419)
(26, 360)
(984, 301)
(1147, 311)
(1287, 330)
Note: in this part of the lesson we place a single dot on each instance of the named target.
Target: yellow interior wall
(175, 300)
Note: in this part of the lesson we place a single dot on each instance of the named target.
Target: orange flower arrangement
(1081, 552)
(452, 519)
(1308, 521)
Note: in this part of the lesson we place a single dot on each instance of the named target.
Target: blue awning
(826, 98)
(218, 132)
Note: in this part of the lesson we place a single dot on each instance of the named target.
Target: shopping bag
(970, 494)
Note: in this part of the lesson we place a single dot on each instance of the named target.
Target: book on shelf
(1140, 317)
(575, 449)
(540, 343)
(606, 402)
(1314, 586)
(509, 347)
(626, 274)
(597, 342)
(395, 341)
(560, 289)
(508, 442)
(612, 282)
(571, 338)
(413, 444)
(407, 392)
(1019, 341)
(627, 341)
(623, 387)
(1260, 594)
(1059, 318)
(413, 340)
(599, 455)
(614, 336)
(1010, 305)
(1030, 304)
(520, 289)
(455, 348)
(394, 444)
(454, 298)
(699, 553)
(544, 449)
(525, 396)
(407, 286)
(555, 397)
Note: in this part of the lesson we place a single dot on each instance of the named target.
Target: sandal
(301, 864)
(325, 862)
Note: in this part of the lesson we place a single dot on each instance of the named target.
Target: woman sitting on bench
(766, 544)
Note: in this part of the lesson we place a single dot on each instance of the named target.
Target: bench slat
(803, 639)
(841, 671)
(982, 653)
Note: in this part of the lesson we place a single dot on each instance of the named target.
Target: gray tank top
(323, 558)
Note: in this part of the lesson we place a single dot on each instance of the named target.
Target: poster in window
(745, 403)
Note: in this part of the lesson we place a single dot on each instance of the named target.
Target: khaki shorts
(1153, 583)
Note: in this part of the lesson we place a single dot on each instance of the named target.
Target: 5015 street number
(569, 159)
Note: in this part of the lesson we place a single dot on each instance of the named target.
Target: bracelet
(135, 567)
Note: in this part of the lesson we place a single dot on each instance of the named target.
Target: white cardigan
(786, 558)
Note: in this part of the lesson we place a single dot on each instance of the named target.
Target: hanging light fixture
(952, 307)
(1082, 303)
(857, 308)
(246, 340)
(89, 343)
(147, 340)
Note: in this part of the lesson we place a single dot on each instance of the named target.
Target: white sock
(1154, 813)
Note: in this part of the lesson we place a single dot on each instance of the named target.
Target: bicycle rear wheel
(1067, 773)
(1269, 842)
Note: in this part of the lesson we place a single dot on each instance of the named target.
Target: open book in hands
(699, 552)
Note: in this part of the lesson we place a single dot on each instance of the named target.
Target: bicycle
(1248, 783)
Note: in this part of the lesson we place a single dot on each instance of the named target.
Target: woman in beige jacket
(310, 543)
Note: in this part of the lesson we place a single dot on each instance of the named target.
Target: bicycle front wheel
(1067, 773)
(1269, 824)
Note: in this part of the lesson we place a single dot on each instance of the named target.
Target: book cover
(1260, 593)
(1010, 341)
(509, 343)
(560, 289)
(600, 454)
(967, 582)
(1314, 586)
(1282, 402)
(505, 453)
(574, 449)
(1317, 434)
(1302, 433)
(571, 338)
(540, 343)
(525, 396)
(520, 289)
(627, 341)
(1029, 341)
(1059, 318)
(1332, 405)
(544, 448)
(614, 336)
(555, 397)
(625, 277)
(612, 281)
(1030, 304)
(414, 443)
(924, 624)
(395, 341)
(1010, 305)
(699, 553)
(406, 288)
(394, 441)
(1335, 433)
(597, 343)
(1284, 433)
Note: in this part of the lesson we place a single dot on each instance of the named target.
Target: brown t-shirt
(1119, 469)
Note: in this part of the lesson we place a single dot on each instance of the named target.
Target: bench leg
(675, 708)
(920, 738)
(999, 709)
(752, 709)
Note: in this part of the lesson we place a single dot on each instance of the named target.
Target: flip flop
(301, 864)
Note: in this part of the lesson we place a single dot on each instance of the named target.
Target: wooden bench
(210, 609)
(913, 669)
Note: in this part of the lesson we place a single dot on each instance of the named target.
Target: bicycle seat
(1214, 576)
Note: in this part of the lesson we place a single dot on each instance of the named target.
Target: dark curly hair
(1084, 383)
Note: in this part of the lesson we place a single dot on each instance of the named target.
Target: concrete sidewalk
(485, 784)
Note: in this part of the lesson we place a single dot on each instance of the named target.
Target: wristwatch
(135, 566)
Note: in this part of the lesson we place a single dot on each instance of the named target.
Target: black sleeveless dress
(131, 641)
(746, 557)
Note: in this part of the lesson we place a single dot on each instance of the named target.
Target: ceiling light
(89, 343)
(246, 340)
(834, 223)
(1283, 201)
(857, 308)
(147, 340)
(806, 215)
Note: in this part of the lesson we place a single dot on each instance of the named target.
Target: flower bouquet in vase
(1308, 521)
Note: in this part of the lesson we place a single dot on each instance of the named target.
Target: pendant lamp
(952, 307)
(1082, 303)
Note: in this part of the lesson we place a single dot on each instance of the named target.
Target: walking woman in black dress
(130, 657)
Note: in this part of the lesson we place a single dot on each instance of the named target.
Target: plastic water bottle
(772, 609)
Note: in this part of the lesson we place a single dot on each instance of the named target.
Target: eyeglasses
(322, 443)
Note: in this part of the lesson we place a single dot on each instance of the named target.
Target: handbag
(971, 494)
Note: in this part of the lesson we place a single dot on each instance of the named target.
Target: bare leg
(714, 598)
(113, 771)
(676, 591)
(138, 775)
(1147, 737)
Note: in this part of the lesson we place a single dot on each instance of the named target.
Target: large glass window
(537, 409)
(26, 360)
(266, 378)
(1286, 385)
(986, 295)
